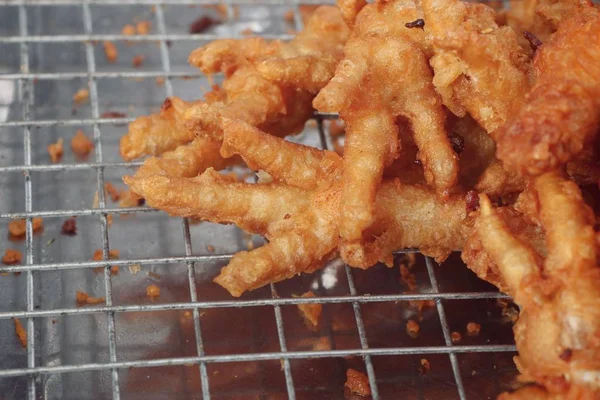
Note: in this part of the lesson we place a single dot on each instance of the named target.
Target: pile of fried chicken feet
(466, 127)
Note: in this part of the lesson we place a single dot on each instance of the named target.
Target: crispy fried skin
(156, 133)
(217, 198)
(384, 75)
(558, 332)
(561, 114)
(409, 216)
(187, 160)
(301, 244)
(297, 165)
(308, 61)
(350, 9)
(479, 67)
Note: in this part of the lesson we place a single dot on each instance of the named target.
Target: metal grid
(25, 79)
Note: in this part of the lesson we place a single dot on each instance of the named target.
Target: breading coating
(157, 133)
(385, 75)
(297, 165)
(560, 117)
(558, 331)
(479, 67)
(217, 198)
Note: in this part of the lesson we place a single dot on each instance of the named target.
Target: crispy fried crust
(156, 133)
(479, 67)
(561, 115)
(384, 75)
(217, 198)
(300, 166)
(558, 332)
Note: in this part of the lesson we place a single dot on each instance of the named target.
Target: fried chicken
(561, 115)
(385, 75)
(479, 66)
(558, 290)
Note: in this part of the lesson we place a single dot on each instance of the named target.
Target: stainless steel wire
(25, 79)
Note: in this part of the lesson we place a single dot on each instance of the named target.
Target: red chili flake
(472, 200)
(202, 24)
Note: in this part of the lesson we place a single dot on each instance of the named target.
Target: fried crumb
(154, 275)
(81, 96)
(202, 24)
(310, 312)
(160, 80)
(129, 199)
(109, 219)
(456, 337)
(143, 27)
(20, 332)
(135, 268)
(110, 51)
(138, 60)
(250, 245)
(12, 257)
(210, 247)
(412, 328)
(128, 30)
(113, 254)
(112, 191)
(81, 144)
(82, 298)
(55, 150)
(425, 367)
(420, 305)
(247, 31)
(408, 278)
(357, 382)
(69, 227)
(16, 228)
(112, 114)
(473, 329)
(153, 291)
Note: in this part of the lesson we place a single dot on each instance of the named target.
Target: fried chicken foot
(297, 165)
(479, 67)
(558, 332)
(216, 198)
(384, 75)
(561, 116)
(157, 133)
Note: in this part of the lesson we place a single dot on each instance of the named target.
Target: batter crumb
(55, 150)
(12, 257)
(357, 382)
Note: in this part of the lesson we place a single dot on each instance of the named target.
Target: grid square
(239, 330)
(336, 329)
(166, 382)
(110, 18)
(486, 375)
(154, 335)
(10, 61)
(78, 385)
(47, 57)
(12, 199)
(247, 380)
(11, 146)
(61, 341)
(63, 190)
(53, 99)
(10, 21)
(13, 287)
(48, 20)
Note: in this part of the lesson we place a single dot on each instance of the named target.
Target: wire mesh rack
(195, 341)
